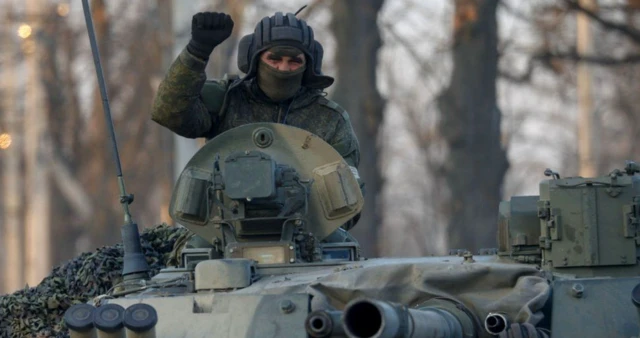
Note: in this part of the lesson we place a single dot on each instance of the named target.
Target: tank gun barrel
(380, 319)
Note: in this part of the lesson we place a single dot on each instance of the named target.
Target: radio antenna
(135, 265)
(300, 10)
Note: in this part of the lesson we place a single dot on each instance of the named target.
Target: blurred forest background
(457, 105)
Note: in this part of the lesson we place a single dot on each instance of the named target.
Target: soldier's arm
(346, 143)
(178, 104)
(344, 139)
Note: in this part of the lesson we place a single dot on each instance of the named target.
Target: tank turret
(267, 202)
(269, 193)
(576, 226)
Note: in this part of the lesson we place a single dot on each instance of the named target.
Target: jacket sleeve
(178, 104)
(346, 142)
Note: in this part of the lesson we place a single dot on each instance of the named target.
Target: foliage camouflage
(38, 311)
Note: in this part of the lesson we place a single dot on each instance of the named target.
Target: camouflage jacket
(193, 107)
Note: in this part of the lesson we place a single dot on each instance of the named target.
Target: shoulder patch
(333, 106)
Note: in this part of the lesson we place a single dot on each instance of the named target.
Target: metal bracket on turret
(630, 217)
(545, 243)
(551, 221)
(614, 188)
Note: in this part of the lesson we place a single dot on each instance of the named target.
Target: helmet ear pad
(275, 30)
(317, 54)
(313, 76)
(244, 55)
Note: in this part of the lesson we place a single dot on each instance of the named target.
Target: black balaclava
(276, 84)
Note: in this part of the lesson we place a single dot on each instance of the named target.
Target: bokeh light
(5, 141)
(63, 9)
(24, 31)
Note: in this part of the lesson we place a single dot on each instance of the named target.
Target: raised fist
(208, 29)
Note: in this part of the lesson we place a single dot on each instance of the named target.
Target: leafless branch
(623, 8)
(516, 13)
(627, 30)
(70, 187)
(517, 78)
(425, 67)
(601, 60)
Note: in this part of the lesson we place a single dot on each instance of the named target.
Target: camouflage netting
(38, 311)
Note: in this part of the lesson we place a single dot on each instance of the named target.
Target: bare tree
(12, 195)
(612, 61)
(75, 149)
(58, 43)
(358, 40)
(470, 125)
(37, 221)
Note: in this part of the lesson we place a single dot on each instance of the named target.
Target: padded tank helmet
(284, 29)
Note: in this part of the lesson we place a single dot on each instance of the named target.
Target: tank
(267, 203)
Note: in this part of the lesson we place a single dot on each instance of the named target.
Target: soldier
(283, 84)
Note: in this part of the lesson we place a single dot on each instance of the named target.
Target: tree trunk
(71, 212)
(98, 171)
(184, 148)
(140, 140)
(12, 232)
(470, 124)
(586, 119)
(358, 40)
(37, 216)
(165, 41)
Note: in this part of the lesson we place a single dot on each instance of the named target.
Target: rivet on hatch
(287, 306)
(307, 140)
(577, 290)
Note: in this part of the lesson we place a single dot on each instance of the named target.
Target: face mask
(279, 85)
